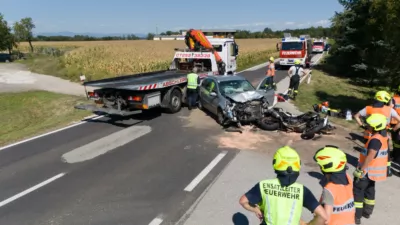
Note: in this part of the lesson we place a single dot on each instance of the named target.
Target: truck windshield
(292, 46)
(317, 43)
(235, 86)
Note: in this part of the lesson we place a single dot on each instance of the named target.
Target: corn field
(100, 59)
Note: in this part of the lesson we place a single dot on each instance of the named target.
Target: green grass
(53, 65)
(26, 114)
(340, 93)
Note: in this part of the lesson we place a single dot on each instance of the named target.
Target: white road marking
(51, 132)
(105, 144)
(156, 221)
(205, 171)
(29, 190)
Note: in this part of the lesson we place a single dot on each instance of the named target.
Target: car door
(205, 91)
(214, 100)
(269, 93)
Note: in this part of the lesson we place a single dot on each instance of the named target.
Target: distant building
(221, 33)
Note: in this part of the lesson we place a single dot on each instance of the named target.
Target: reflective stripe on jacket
(281, 205)
(377, 168)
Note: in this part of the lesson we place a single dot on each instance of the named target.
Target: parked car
(233, 99)
(5, 57)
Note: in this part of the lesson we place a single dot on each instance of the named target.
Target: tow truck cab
(293, 48)
(228, 50)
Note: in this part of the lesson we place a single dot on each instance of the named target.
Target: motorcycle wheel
(309, 133)
(268, 123)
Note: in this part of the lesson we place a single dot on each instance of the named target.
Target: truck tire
(175, 101)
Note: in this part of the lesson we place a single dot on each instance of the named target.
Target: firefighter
(337, 197)
(193, 81)
(270, 74)
(380, 105)
(280, 200)
(295, 72)
(395, 134)
(371, 166)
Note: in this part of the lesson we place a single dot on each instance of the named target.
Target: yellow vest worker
(270, 74)
(337, 197)
(281, 200)
(193, 81)
(372, 167)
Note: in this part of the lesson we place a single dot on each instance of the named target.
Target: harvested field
(100, 59)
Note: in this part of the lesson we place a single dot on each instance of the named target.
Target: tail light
(135, 98)
(92, 94)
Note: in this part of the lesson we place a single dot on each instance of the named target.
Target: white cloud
(289, 23)
(322, 22)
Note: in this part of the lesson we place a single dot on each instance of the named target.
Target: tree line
(367, 42)
(11, 36)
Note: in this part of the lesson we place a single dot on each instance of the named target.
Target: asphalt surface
(132, 184)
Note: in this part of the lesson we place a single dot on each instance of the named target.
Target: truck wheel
(175, 102)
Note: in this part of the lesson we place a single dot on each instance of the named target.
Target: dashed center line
(205, 171)
(29, 190)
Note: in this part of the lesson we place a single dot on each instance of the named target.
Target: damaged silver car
(233, 99)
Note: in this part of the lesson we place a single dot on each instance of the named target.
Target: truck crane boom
(196, 40)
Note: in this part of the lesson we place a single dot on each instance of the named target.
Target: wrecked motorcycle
(308, 124)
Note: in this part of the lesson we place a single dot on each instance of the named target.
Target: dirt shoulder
(15, 77)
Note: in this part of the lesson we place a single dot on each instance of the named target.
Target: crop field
(100, 59)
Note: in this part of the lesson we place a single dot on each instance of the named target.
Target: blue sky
(130, 16)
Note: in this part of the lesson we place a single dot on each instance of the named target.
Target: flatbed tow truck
(131, 94)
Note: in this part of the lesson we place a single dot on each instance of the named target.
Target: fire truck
(293, 48)
(318, 46)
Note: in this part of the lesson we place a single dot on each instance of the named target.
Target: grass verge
(52, 65)
(26, 114)
(340, 93)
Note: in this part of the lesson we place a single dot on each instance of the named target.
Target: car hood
(245, 96)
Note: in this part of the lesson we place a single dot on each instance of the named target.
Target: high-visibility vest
(192, 80)
(396, 107)
(281, 205)
(385, 110)
(377, 168)
(271, 69)
(343, 203)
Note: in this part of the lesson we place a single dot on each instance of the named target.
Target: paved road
(152, 178)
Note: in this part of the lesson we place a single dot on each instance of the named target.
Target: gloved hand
(358, 173)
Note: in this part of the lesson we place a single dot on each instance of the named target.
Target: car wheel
(200, 105)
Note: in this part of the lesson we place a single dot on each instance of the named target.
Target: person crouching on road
(395, 164)
(337, 197)
(270, 74)
(295, 72)
(380, 105)
(193, 81)
(371, 166)
(280, 200)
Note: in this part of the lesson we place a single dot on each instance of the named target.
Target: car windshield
(317, 43)
(292, 46)
(235, 86)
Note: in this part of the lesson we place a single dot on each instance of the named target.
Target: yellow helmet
(296, 62)
(383, 96)
(377, 121)
(271, 59)
(331, 159)
(286, 159)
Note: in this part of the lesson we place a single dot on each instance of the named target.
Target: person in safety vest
(395, 164)
(193, 81)
(381, 105)
(337, 197)
(270, 74)
(295, 72)
(281, 200)
(371, 166)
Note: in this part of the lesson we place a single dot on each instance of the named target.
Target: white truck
(126, 95)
